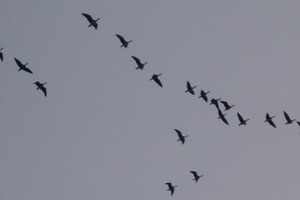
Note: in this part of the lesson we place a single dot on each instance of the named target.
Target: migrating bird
(155, 78)
(190, 89)
(123, 41)
(23, 66)
(139, 63)
(226, 105)
(288, 119)
(269, 119)
(242, 121)
(196, 176)
(171, 188)
(222, 116)
(181, 137)
(203, 95)
(92, 21)
(215, 102)
(1, 54)
(41, 87)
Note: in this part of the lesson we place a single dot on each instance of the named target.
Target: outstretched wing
(18, 62)
(88, 17)
(287, 117)
(157, 81)
(44, 90)
(240, 117)
(121, 38)
(271, 123)
(138, 62)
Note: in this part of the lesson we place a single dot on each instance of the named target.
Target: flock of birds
(155, 78)
(190, 89)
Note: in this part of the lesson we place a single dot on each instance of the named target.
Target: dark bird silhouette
(180, 136)
(215, 102)
(226, 105)
(139, 63)
(171, 188)
(1, 54)
(242, 121)
(269, 120)
(288, 119)
(155, 78)
(203, 95)
(41, 87)
(190, 89)
(23, 66)
(123, 41)
(222, 116)
(196, 176)
(298, 123)
(92, 21)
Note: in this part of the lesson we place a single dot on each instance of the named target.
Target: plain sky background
(106, 132)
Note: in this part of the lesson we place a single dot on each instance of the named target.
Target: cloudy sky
(106, 132)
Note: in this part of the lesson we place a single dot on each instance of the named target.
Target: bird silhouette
(190, 89)
(203, 95)
(288, 119)
(23, 66)
(269, 120)
(196, 176)
(123, 41)
(180, 136)
(41, 87)
(1, 54)
(139, 63)
(298, 123)
(222, 116)
(242, 121)
(226, 105)
(92, 21)
(215, 102)
(155, 78)
(171, 188)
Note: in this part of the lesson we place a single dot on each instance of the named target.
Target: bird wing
(44, 90)
(226, 105)
(18, 62)
(240, 117)
(95, 25)
(287, 117)
(1, 56)
(157, 81)
(188, 85)
(26, 69)
(194, 173)
(121, 38)
(178, 133)
(88, 17)
(272, 123)
(224, 120)
(138, 62)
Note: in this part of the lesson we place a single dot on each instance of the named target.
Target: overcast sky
(106, 132)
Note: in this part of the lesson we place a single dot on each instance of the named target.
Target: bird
(203, 95)
(139, 63)
(226, 105)
(190, 88)
(242, 121)
(215, 102)
(196, 176)
(41, 87)
(155, 78)
(23, 66)
(92, 21)
(171, 188)
(1, 54)
(288, 119)
(269, 120)
(123, 41)
(222, 116)
(181, 137)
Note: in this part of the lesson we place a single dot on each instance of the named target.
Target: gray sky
(106, 132)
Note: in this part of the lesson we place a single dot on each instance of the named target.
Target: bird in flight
(203, 95)
(155, 78)
(180, 136)
(222, 116)
(171, 188)
(41, 87)
(215, 102)
(92, 21)
(196, 176)
(190, 89)
(1, 54)
(269, 120)
(241, 119)
(288, 119)
(139, 63)
(226, 105)
(23, 66)
(123, 41)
